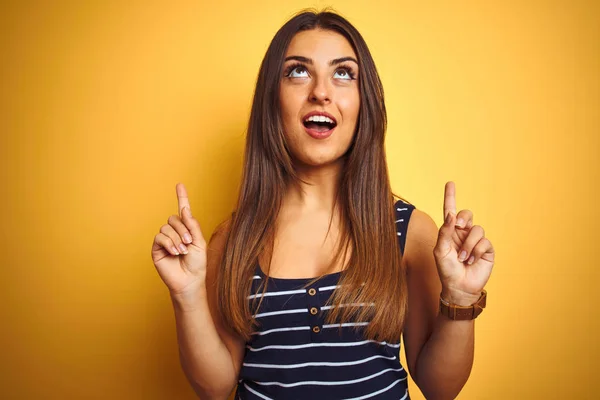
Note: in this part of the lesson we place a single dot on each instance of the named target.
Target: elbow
(211, 389)
(439, 396)
(441, 392)
(440, 387)
(211, 392)
(218, 386)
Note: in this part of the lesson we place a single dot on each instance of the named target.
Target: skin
(318, 86)
(439, 351)
(428, 335)
(303, 248)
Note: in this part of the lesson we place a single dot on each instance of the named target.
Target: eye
(344, 73)
(298, 71)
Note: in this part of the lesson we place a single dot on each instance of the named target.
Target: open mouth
(319, 123)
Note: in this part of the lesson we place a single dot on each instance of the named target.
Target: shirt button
(316, 329)
(313, 310)
(312, 291)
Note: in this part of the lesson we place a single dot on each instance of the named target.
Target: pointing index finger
(182, 197)
(449, 198)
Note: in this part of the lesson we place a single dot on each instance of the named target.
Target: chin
(320, 160)
(307, 152)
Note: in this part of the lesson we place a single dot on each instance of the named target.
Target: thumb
(194, 227)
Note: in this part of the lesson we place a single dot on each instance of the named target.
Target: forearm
(445, 362)
(204, 357)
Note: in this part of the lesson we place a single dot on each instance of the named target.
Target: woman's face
(319, 96)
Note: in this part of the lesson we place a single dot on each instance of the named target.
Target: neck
(318, 191)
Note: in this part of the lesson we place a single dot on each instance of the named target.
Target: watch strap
(456, 312)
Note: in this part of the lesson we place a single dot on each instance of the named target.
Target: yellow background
(105, 106)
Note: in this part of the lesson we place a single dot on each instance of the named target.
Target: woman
(305, 291)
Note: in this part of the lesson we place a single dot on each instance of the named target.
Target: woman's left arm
(439, 350)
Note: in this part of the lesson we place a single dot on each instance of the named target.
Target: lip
(316, 134)
(319, 135)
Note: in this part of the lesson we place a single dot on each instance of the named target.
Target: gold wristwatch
(457, 312)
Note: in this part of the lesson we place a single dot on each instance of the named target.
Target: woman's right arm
(210, 354)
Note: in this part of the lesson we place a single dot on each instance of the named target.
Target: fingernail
(471, 260)
(460, 222)
(183, 248)
(187, 238)
(174, 249)
(462, 256)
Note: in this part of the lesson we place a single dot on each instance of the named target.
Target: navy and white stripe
(295, 355)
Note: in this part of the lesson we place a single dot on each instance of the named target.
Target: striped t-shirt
(296, 355)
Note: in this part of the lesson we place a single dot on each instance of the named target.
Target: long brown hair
(364, 198)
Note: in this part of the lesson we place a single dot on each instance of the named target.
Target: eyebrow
(310, 61)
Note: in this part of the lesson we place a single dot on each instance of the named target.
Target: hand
(463, 277)
(179, 250)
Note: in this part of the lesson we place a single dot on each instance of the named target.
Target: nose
(320, 92)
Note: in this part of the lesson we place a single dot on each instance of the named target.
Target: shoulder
(421, 227)
(215, 249)
(421, 232)
(219, 236)
(224, 226)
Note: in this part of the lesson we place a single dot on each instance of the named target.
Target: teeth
(319, 118)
